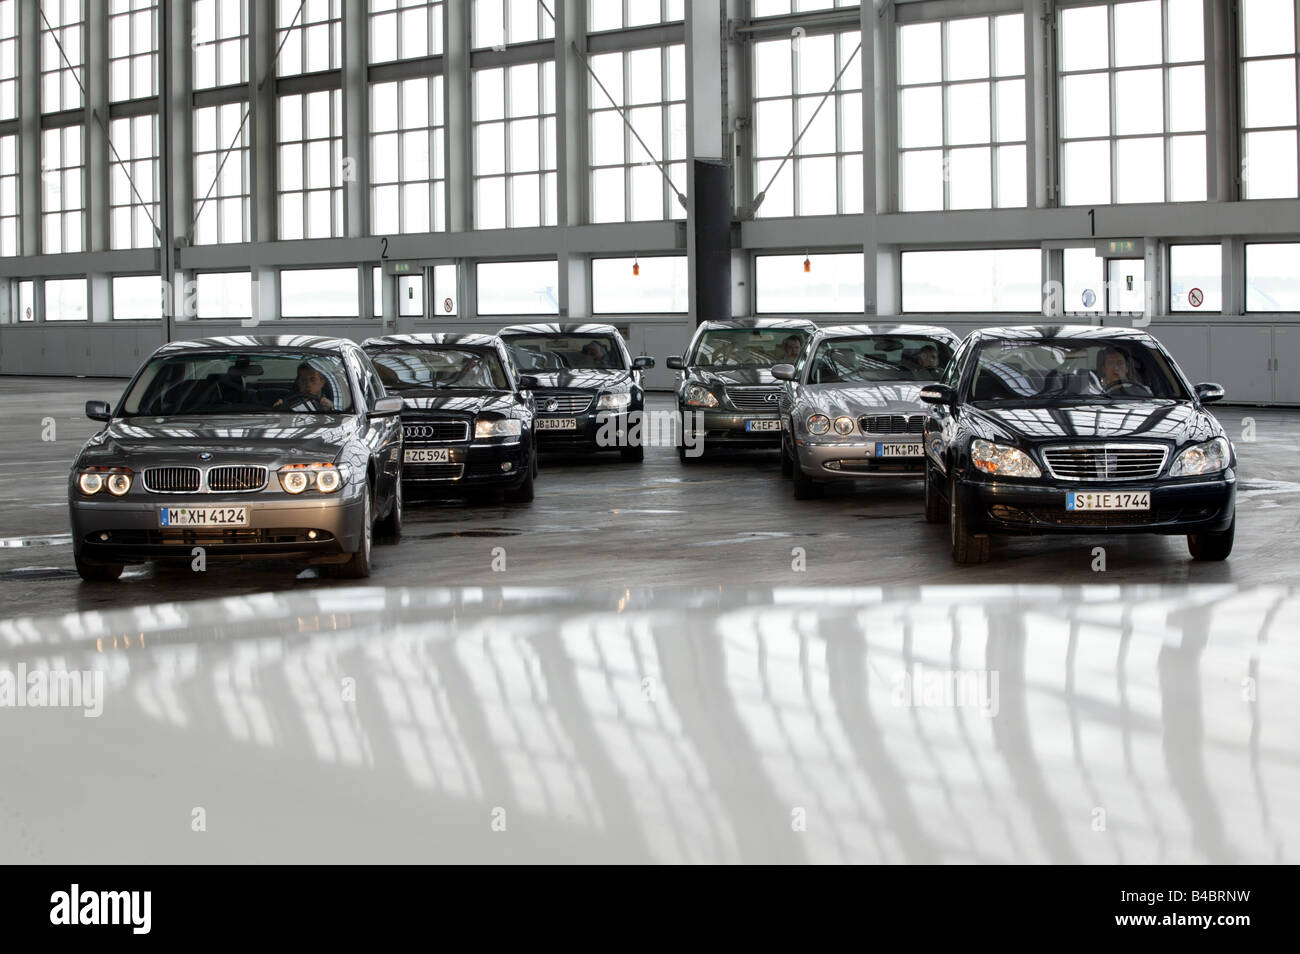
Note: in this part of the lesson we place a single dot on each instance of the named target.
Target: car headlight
(94, 479)
(818, 424)
(1208, 458)
(503, 427)
(697, 396)
(1002, 460)
(613, 402)
(297, 478)
(844, 426)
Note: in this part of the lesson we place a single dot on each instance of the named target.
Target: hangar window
(410, 294)
(137, 297)
(311, 165)
(63, 201)
(658, 286)
(629, 158)
(514, 146)
(1132, 97)
(221, 174)
(9, 195)
(223, 295)
(518, 288)
(407, 172)
(1196, 278)
(973, 280)
(65, 299)
(133, 182)
(1273, 276)
(220, 43)
(404, 29)
(62, 55)
(829, 283)
(132, 49)
(8, 59)
(961, 114)
(500, 22)
(308, 36)
(24, 300)
(618, 14)
(319, 293)
(1268, 99)
(1085, 282)
(797, 104)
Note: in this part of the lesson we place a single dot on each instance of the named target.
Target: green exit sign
(1116, 247)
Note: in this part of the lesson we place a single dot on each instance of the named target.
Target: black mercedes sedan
(467, 416)
(1075, 429)
(588, 387)
(281, 446)
(727, 396)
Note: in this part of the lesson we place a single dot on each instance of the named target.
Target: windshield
(748, 347)
(1071, 368)
(404, 369)
(240, 382)
(878, 358)
(556, 352)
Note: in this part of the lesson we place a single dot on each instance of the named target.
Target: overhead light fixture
(807, 262)
(636, 267)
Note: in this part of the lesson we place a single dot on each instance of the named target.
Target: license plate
(1111, 500)
(884, 449)
(763, 425)
(427, 455)
(557, 423)
(203, 517)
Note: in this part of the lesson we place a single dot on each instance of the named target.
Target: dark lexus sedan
(588, 387)
(280, 446)
(467, 417)
(1075, 429)
(727, 396)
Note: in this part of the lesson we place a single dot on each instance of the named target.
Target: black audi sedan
(281, 446)
(727, 396)
(467, 416)
(1075, 429)
(588, 387)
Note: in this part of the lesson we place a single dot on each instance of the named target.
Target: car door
(382, 435)
(940, 423)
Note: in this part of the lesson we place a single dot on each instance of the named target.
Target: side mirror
(387, 406)
(675, 362)
(643, 363)
(938, 394)
(783, 372)
(527, 382)
(1207, 392)
(99, 411)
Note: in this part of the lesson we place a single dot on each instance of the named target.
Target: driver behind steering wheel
(1114, 369)
(309, 387)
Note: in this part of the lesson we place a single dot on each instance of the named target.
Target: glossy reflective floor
(653, 677)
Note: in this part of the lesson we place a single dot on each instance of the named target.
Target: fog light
(311, 534)
(104, 537)
(507, 466)
(832, 465)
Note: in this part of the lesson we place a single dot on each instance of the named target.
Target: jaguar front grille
(892, 424)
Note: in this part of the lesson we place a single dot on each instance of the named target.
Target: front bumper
(728, 428)
(317, 527)
(594, 431)
(1193, 505)
(855, 460)
(498, 465)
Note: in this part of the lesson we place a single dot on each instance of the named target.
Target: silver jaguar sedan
(851, 406)
(280, 446)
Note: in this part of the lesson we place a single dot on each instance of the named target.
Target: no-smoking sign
(1195, 297)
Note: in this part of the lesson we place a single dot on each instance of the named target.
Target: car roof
(560, 328)
(792, 324)
(1097, 332)
(468, 339)
(854, 331)
(228, 342)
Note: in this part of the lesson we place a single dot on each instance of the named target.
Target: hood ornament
(205, 456)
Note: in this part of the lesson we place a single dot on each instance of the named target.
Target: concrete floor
(650, 679)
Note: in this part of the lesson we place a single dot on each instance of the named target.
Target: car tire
(97, 572)
(633, 455)
(805, 488)
(967, 548)
(358, 565)
(787, 462)
(389, 530)
(1213, 545)
(525, 492)
(936, 510)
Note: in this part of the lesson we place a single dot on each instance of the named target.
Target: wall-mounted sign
(1195, 297)
(1115, 248)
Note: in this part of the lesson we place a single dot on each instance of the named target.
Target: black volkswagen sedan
(1075, 429)
(467, 418)
(588, 387)
(281, 446)
(728, 396)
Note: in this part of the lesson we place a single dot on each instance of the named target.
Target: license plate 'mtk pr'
(203, 517)
(1110, 500)
(884, 449)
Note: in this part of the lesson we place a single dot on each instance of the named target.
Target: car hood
(587, 379)
(732, 376)
(1179, 422)
(897, 397)
(459, 402)
(231, 439)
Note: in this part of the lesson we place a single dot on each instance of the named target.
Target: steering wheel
(1125, 386)
(303, 402)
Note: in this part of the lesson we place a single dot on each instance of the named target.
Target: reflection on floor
(954, 724)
